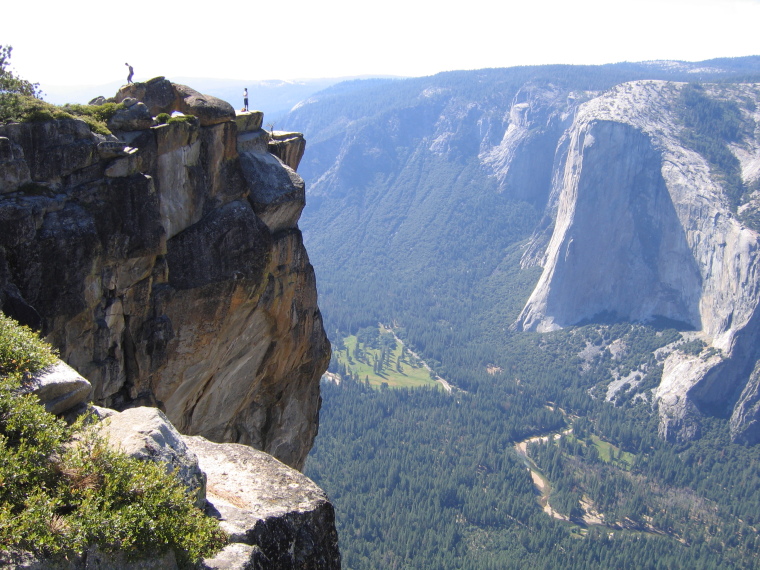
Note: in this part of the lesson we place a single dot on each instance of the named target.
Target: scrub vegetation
(20, 101)
(63, 490)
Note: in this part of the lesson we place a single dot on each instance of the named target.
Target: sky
(81, 42)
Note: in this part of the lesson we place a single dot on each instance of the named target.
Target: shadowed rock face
(169, 276)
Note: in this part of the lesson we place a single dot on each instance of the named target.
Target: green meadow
(376, 356)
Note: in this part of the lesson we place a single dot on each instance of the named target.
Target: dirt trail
(591, 516)
(541, 482)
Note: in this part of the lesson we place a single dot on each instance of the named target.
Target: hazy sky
(87, 43)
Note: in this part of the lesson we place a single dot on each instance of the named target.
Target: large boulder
(276, 517)
(210, 110)
(158, 95)
(145, 433)
(277, 193)
(249, 121)
(59, 388)
(136, 117)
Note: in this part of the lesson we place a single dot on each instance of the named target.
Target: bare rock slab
(265, 504)
(59, 388)
(248, 121)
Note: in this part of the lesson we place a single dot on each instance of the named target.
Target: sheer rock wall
(167, 267)
(638, 225)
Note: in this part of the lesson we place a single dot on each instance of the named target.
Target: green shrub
(13, 89)
(29, 109)
(21, 350)
(163, 118)
(96, 116)
(62, 489)
(101, 113)
(183, 119)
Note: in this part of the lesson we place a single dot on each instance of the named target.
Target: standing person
(245, 99)
(131, 73)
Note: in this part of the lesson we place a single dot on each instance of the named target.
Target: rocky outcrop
(288, 147)
(166, 265)
(145, 433)
(642, 228)
(135, 116)
(160, 95)
(276, 518)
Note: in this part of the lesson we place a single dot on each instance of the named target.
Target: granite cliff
(641, 226)
(166, 265)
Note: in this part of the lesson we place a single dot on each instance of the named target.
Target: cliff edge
(165, 264)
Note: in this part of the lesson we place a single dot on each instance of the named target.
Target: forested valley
(426, 479)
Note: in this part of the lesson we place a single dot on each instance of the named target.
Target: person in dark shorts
(245, 99)
(131, 73)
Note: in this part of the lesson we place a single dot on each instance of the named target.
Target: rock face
(745, 420)
(167, 267)
(288, 147)
(636, 261)
(638, 225)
